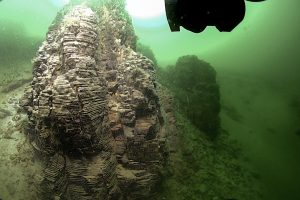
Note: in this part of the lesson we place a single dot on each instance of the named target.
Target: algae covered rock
(94, 115)
(194, 85)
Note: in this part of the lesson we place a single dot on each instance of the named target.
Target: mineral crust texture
(94, 115)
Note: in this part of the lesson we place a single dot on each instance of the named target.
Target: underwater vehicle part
(195, 15)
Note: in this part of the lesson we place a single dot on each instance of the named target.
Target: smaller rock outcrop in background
(193, 83)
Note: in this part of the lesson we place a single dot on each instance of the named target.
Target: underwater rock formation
(94, 115)
(194, 85)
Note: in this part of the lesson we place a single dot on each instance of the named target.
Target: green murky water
(257, 68)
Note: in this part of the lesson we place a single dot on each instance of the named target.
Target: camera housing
(196, 15)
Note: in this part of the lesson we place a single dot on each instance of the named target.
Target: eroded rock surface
(93, 111)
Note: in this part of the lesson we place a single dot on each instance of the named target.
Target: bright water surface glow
(145, 9)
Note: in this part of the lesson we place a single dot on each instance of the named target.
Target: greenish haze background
(264, 42)
(257, 65)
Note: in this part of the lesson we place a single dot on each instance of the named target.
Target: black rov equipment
(195, 15)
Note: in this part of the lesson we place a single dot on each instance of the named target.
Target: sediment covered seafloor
(97, 125)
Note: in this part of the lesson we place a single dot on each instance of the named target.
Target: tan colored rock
(93, 110)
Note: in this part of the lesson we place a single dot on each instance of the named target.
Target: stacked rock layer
(93, 111)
